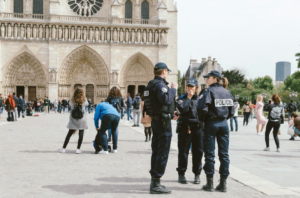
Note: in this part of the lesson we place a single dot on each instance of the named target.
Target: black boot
(222, 186)
(197, 179)
(157, 188)
(146, 139)
(182, 179)
(149, 138)
(209, 185)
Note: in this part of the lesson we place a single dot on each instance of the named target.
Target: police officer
(189, 131)
(215, 107)
(159, 104)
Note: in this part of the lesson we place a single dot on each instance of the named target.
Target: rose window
(85, 7)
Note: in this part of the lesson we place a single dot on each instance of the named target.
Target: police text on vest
(223, 102)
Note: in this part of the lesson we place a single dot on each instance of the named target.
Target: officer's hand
(176, 117)
(174, 85)
(190, 94)
(97, 129)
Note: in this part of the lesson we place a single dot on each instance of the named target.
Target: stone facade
(198, 70)
(50, 54)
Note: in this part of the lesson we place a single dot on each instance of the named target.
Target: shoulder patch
(201, 96)
(164, 90)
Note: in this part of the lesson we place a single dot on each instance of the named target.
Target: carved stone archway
(83, 66)
(137, 71)
(26, 71)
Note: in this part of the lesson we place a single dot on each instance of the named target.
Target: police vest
(152, 106)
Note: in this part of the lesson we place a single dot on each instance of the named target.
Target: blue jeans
(101, 138)
(128, 110)
(236, 123)
(296, 131)
(86, 108)
(219, 130)
(122, 112)
(1, 111)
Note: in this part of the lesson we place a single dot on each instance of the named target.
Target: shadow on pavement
(278, 156)
(67, 152)
(131, 180)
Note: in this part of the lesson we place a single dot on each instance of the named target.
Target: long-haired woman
(276, 114)
(246, 112)
(10, 106)
(77, 124)
(261, 120)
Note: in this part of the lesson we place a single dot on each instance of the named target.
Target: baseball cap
(213, 73)
(192, 81)
(161, 66)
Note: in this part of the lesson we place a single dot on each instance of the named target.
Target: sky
(248, 34)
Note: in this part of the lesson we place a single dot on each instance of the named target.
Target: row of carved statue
(80, 33)
(65, 91)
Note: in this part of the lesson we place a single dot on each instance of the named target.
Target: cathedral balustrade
(129, 34)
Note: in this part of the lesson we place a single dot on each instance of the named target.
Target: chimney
(196, 74)
(209, 58)
(203, 60)
(193, 61)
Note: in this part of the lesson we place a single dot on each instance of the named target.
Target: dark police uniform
(189, 132)
(215, 106)
(161, 97)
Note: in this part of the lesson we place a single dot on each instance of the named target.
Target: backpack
(77, 112)
(136, 104)
(291, 108)
(115, 103)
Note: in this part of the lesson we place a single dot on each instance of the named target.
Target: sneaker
(114, 151)
(109, 140)
(278, 150)
(62, 150)
(78, 151)
(267, 149)
(103, 152)
(292, 138)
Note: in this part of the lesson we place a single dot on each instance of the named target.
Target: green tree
(234, 76)
(265, 83)
(298, 59)
(293, 82)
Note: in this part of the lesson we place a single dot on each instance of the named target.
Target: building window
(38, 6)
(18, 6)
(145, 10)
(128, 9)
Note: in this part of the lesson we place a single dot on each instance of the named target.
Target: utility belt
(164, 117)
(214, 118)
(181, 124)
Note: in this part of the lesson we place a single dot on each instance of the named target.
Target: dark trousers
(246, 117)
(184, 144)
(161, 142)
(275, 126)
(10, 115)
(235, 119)
(70, 133)
(19, 111)
(219, 130)
(148, 131)
(101, 138)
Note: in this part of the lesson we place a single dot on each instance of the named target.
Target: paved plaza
(31, 165)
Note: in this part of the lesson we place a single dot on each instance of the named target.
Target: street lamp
(294, 94)
(264, 95)
(237, 97)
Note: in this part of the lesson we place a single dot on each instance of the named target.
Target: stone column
(26, 93)
(129, 36)
(84, 88)
(136, 89)
(159, 36)
(118, 35)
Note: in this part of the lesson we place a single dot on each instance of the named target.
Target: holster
(179, 127)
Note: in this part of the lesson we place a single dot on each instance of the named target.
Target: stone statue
(66, 34)
(52, 77)
(22, 32)
(84, 34)
(139, 36)
(28, 31)
(2, 30)
(27, 7)
(9, 31)
(91, 34)
(115, 35)
(145, 36)
(133, 36)
(16, 31)
(156, 37)
(108, 35)
(47, 32)
(78, 33)
(102, 34)
(150, 37)
(72, 33)
(97, 34)
(53, 32)
(121, 35)
(163, 37)
(34, 31)
(41, 32)
(126, 36)
(60, 33)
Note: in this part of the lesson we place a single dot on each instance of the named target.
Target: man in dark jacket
(46, 105)
(291, 108)
(129, 107)
(17, 105)
(64, 104)
(22, 106)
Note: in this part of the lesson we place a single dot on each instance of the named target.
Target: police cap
(214, 73)
(192, 81)
(161, 66)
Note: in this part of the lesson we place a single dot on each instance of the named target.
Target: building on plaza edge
(198, 70)
(50, 47)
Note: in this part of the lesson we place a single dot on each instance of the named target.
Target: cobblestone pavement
(31, 165)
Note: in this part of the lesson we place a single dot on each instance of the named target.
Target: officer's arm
(164, 95)
(231, 110)
(184, 106)
(204, 104)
